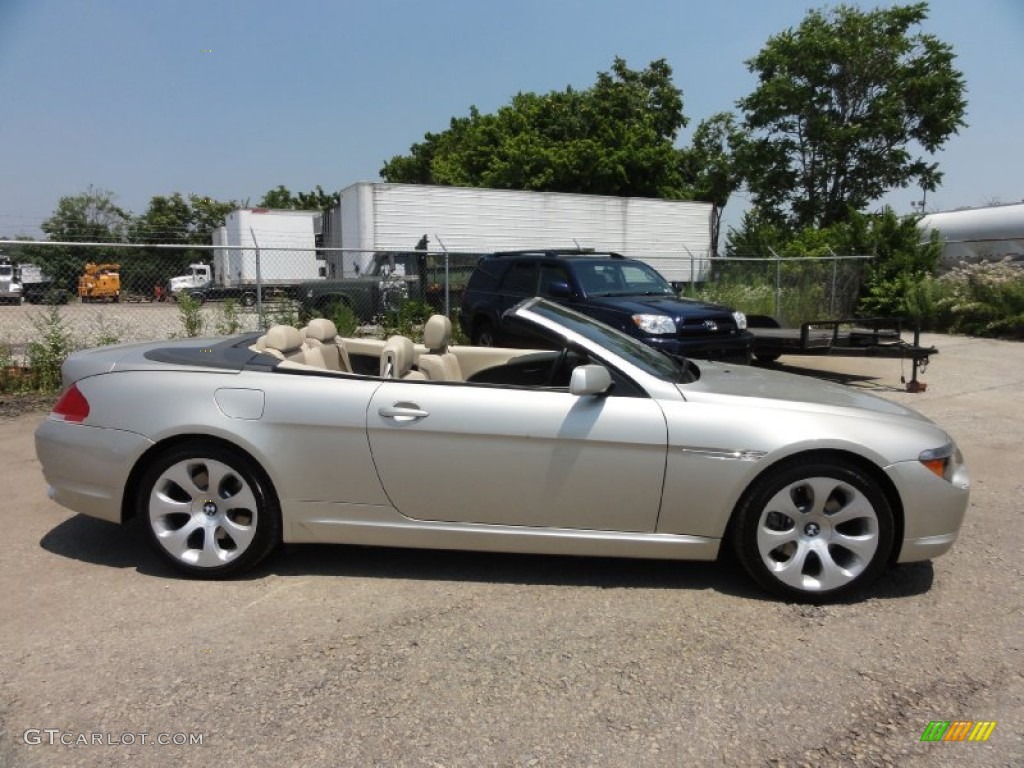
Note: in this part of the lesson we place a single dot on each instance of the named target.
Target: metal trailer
(847, 337)
(673, 236)
(989, 233)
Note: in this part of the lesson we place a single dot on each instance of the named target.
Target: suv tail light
(72, 406)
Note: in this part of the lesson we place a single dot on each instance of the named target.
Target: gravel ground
(338, 656)
(126, 322)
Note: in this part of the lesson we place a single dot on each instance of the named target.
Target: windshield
(6, 270)
(645, 358)
(621, 278)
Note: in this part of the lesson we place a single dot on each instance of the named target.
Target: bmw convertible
(599, 446)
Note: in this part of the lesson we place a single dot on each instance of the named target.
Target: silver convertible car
(598, 446)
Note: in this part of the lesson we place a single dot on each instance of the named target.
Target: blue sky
(229, 99)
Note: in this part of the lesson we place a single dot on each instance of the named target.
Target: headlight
(946, 462)
(741, 320)
(655, 324)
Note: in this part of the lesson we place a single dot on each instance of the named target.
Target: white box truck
(285, 242)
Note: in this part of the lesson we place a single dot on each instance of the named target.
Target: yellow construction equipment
(100, 282)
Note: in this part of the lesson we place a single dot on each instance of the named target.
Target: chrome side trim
(736, 455)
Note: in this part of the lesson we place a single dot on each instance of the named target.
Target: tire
(483, 334)
(814, 531)
(199, 298)
(209, 510)
(767, 358)
(248, 299)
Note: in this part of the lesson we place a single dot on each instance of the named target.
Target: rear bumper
(87, 467)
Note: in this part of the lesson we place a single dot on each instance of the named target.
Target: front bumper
(933, 510)
(87, 467)
(734, 348)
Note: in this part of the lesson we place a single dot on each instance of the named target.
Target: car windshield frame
(646, 359)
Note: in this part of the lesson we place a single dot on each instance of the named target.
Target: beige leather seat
(396, 359)
(285, 343)
(324, 347)
(439, 364)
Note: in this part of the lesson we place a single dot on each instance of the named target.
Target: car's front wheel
(814, 531)
(208, 509)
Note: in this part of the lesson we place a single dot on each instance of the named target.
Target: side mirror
(559, 289)
(590, 380)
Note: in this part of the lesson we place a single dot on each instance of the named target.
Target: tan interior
(317, 347)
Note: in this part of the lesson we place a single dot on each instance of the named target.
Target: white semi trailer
(990, 233)
(673, 236)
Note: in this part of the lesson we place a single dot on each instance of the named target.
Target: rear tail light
(72, 406)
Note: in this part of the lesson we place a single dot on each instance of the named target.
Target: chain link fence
(104, 293)
(792, 290)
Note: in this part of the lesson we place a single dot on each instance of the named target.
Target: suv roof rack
(554, 253)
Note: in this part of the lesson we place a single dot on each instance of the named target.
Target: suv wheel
(483, 334)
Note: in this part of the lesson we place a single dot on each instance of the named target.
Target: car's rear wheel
(483, 335)
(209, 509)
(814, 531)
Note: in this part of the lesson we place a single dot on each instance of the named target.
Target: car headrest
(397, 357)
(283, 338)
(321, 329)
(437, 333)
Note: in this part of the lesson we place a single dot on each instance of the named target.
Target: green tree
(845, 106)
(92, 216)
(615, 138)
(711, 166)
(281, 198)
(170, 219)
(208, 214)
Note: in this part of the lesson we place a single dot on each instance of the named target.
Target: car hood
(662, 305)
(718, 381)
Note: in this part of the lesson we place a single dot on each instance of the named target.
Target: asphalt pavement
(348, 656)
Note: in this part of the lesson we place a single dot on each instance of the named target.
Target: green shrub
(985, 299)
(408, 320)
(46, 356)
(229, 320)
(343, 317)
(190, 313)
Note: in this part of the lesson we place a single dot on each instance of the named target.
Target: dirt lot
(125, 322)
(347, 656)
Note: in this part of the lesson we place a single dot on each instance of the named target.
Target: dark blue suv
(624, 293)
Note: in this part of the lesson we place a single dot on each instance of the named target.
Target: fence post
(778, 283)
(832, 293)
(447, 279)
(259, 281)
(692, 291)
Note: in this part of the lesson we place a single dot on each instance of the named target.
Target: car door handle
(402, 412)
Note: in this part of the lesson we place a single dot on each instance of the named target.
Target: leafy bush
(408, 320)
(190, 314)
(229, 321)
(343, 317)
(985, 299)
(46, 356)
